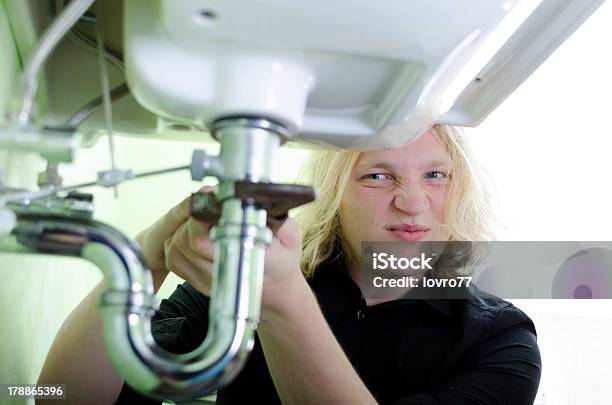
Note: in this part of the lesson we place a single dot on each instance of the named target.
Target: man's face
(397, 194)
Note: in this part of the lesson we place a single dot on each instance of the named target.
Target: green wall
(38, 292)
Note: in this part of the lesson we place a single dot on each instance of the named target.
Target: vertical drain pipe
(240, 239)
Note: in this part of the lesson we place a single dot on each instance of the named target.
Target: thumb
(175, 217)
(290, 234)
(165, 226)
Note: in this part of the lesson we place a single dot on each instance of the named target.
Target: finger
(181, 242)
(182, 211)
(181, 266)
(200, 267)
(177, 215)
(164, 227)
(198, 237)
(174, 218)
(196, 271)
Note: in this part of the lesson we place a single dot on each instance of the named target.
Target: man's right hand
(152, 239)
(181, 244)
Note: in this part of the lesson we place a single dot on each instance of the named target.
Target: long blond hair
(467, 214)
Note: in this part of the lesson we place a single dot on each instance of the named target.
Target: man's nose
(411, 199)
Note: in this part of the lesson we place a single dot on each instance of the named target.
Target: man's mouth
(409, 232)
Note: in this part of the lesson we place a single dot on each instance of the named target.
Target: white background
(548, 149)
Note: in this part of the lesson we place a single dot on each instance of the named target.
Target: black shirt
(481, 350)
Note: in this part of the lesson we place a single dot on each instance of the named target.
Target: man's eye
(377, 176)
(437, 174)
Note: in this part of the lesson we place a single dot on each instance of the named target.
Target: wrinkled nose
(412, 200)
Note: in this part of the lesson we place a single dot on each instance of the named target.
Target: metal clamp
(276, 199)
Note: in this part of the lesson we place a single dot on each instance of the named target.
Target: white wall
(548, 149)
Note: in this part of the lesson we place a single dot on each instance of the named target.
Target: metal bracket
(276, 199)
